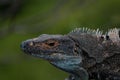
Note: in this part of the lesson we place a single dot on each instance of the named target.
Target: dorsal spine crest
(112, 34)
(83, 30)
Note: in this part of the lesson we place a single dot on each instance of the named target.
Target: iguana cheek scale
(84, 53)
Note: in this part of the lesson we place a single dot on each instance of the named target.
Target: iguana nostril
(31, 43)
(25, 44)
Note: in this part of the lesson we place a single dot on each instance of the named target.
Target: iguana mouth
(52, 56)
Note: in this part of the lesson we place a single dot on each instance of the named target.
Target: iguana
(84, 53)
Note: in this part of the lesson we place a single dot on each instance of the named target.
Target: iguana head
(59, 50)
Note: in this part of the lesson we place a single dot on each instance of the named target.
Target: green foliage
(35, 17)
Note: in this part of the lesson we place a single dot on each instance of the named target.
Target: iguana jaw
(64, 62)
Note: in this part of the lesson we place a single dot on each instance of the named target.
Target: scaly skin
(85, 54)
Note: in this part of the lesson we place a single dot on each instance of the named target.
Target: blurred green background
(24, 19)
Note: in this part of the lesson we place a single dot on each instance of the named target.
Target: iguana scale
(84, 53)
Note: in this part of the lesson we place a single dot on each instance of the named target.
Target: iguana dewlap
(84, 53)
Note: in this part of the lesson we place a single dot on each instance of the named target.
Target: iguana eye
(51, 44)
